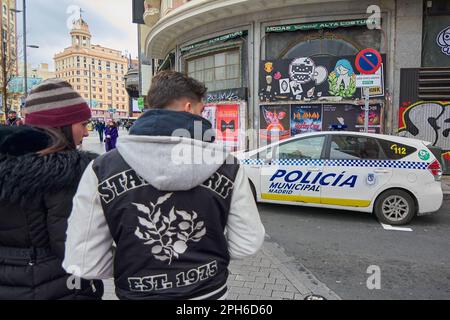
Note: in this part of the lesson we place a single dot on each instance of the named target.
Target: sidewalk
(269, 275)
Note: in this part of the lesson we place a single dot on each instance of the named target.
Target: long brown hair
(61, 140)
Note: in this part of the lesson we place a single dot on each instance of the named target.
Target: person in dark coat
(111, 135)
(100, 127)
(12, 120)
(40, 168)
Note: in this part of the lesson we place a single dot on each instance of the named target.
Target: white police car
(393, 177)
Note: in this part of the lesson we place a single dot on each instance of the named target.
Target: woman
(111, 134)
(40, 168)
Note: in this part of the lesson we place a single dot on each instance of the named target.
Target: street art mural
(443, 40)
(311, 78)
(429, 121)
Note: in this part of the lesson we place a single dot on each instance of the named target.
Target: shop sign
(213, 41)
(235, 94)
(141, 103)
(319, 25)
(368, 80)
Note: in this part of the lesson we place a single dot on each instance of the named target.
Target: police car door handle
(381, 171)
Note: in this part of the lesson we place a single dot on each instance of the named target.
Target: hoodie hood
(172, 163)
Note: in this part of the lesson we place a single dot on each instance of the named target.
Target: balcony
(165, 29)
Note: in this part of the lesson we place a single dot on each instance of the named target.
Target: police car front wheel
(395, 207)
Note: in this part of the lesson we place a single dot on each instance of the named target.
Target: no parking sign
(368, 61)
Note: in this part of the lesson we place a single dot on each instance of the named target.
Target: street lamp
(24, 11)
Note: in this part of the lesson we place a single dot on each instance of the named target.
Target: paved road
(339, 246)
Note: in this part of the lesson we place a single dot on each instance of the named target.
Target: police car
(393, 177)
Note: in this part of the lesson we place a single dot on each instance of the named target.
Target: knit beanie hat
(54, 103)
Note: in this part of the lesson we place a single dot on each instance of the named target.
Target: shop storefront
(424, 110)
(222, 64)
(307, 81)
(292, 62)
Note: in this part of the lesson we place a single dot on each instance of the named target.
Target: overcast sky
(110, 23)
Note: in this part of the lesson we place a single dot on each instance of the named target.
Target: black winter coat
(35, 202)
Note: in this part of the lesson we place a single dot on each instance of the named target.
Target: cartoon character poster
(306, 118)
(274, 123)
(342, 81)
(227, 124)
(443, 41)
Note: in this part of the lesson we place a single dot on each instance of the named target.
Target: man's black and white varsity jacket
(176, 208)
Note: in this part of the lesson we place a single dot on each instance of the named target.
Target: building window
(218, 71)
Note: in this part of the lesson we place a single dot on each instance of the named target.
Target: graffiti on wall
(429, 121)
(443, 40)
(310, 79)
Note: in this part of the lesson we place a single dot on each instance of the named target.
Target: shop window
(436, 34)
(322, 47)
(218, 71)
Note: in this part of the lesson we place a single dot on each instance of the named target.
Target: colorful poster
(274, 123)
(227, 124)
(351, 116)
(374, 118)
(339, 114)
(306, 118)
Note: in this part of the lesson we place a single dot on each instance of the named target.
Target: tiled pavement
(269, 275)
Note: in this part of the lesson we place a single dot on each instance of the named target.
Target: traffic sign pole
(366, 110)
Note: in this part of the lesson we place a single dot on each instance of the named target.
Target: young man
(12, 119)
(176, 221)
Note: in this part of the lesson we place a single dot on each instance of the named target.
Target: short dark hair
(168, 86)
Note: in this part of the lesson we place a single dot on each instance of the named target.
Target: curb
(300, 277)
